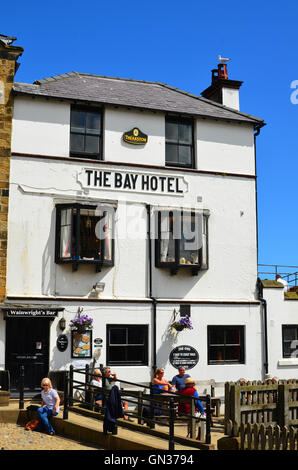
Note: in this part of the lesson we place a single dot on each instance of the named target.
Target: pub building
(134, 203)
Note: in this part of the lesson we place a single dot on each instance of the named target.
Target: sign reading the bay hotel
(132, 181)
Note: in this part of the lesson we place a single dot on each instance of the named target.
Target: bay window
(182, 240)
(84, 235)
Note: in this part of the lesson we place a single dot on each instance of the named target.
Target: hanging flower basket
(183, 323)
(81, 323)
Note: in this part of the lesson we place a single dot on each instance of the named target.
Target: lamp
(99, 287)
(62, 323)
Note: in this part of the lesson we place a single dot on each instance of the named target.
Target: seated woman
(190, 391)
(160, 383)
(95, 382)
(50, 406)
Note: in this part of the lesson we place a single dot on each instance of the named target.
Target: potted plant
(81, 323)
(182, 324)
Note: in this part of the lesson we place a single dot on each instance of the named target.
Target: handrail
(72, 384)
(290, 275)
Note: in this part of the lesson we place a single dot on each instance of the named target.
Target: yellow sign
(135, 137)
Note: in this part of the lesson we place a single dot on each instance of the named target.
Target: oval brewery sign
(135, 137)
(185, 356)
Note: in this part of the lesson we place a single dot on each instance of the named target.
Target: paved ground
(14, 437)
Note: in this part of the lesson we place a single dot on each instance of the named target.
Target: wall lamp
(62, 323)
(99, 287)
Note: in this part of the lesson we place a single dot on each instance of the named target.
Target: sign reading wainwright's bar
(132, 181)
(30, 312)
(135, 137)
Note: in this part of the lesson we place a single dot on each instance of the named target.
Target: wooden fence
(259, 437)
(270, 404)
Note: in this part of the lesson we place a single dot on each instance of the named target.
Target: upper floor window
(182, 240)
(86, 132)
(289, 340)
(84, 235)
(179, 142)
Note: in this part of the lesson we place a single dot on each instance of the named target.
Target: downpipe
(154, 301)
(264, 310)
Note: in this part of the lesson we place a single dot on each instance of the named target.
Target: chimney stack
(223, 90)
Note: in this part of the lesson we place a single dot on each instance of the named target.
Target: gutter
(154, 301)
(264, 308)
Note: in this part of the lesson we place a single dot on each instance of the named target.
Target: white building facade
(104, 173)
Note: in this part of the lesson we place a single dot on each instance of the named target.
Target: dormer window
(182, 240)
(84, 235)
(86, 132)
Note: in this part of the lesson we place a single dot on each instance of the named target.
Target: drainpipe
(256, 189)
(154, 302)
(264, 309)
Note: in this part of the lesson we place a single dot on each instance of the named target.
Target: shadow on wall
(168, 341)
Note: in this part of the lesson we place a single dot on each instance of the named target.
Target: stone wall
(8, 57)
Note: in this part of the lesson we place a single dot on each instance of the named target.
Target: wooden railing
(269, 403)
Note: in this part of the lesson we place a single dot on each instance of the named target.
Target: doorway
(27, 344)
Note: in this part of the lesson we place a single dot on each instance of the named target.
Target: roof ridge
(55, 78)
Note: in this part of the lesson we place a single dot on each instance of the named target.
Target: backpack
(31, 425)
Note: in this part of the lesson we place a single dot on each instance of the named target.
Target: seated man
(95, 382)
(179, 379)
(109, 382)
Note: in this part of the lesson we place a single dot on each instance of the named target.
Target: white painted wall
(280, 312)
(40, 127)
(230, 98)
(34, 194)
(118, 121)
(225, 147)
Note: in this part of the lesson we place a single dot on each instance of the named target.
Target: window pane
(118, 336)
(171, 153)
(117, 354)
(184, 155)
(108, 229)
(91, 144)
(76, 143)
(216, 353)
(135, 354)
(190, 242)
(78, 121)
(232, 336)
(136, 336)
(232, 353)
(65, 241)
(290, 333)
(217, 336)
(185, 134)
(90, 247)
(93, 123)
(172, 132)
(167, 243)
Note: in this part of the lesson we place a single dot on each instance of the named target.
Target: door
(27, 344)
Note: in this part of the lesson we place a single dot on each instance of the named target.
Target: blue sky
(178, 43)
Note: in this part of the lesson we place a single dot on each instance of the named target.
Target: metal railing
(289, 273)
(167, 403)
(151, 401)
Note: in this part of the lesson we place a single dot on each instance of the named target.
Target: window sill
(290, 361)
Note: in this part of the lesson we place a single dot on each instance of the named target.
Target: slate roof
(133, 93)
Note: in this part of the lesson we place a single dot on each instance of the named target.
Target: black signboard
(31, 312)
(185, 356)
(62, 343)
(135, 137)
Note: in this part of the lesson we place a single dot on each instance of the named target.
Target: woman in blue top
(50, 406)
(160, 383)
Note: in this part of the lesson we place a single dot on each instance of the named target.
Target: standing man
(179, 379)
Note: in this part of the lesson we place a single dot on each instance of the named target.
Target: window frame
(176, 265)
(224, 345)
(144, 362)
(83, 154)
(289, 326)
(75, 226)
(181, 120)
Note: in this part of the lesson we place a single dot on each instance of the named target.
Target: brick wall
(8, 57)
